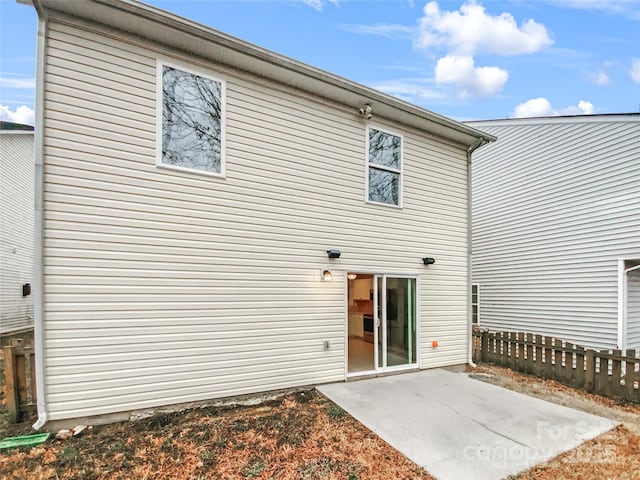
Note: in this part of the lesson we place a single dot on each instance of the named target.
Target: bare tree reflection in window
(383, 186)
(384, 149)
(385, 162)
(191, 121)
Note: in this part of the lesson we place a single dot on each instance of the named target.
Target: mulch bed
(299, 436)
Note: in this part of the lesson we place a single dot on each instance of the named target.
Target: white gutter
(470, 150)
(38, 279)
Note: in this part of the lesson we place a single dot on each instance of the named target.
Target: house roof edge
(160, 26)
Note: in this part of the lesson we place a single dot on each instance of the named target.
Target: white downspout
(470, 151)
(622, 289)
(38, 279)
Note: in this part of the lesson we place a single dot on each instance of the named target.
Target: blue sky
(467, 60)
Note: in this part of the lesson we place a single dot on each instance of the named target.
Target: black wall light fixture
(333, 253)
(428, 260)
(26, 289)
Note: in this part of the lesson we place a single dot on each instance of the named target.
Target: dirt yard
(300, 436)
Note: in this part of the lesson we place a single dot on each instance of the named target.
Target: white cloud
(635, 70)
(26, 83)
(628, 8)
(536, 107)
(471, 30)
(318, 4)
(315, 4)
(541, 107)
(599, 78)
(583, 108)
(462, 72)
(389, 30)
(22, 114)
(410, 89)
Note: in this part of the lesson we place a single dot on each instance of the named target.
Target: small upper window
(192, 127)
(384, 167)
(475, 303)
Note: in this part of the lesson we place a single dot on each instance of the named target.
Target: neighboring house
(16, 226)
(556, 228)
(197, 190)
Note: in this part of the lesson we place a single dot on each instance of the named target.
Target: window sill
(370, 202)
(191, 170)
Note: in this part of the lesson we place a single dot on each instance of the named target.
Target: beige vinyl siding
(164, 287)
(16, 229)
(556, 203)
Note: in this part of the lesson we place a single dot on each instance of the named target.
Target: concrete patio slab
(460, 428)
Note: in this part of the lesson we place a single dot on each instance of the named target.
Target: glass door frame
(381, 367)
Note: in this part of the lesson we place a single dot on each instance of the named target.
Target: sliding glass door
(395, 320)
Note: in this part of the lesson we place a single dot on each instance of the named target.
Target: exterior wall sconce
(428, 260)
(352, 276)
(325, 274)
(333, 253)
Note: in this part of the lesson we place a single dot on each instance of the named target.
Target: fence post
(10, 383)
(484, 345)
(616, 375)
(548, 355)
(590, 374)
(630, 375)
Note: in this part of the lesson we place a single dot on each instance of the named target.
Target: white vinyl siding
(16, 229)
(556, 202)
(164, 287)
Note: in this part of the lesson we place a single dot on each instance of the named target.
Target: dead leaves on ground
(300, 436)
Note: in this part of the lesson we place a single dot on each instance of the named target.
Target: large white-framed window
(475, 303)
(384, 162)
(191, 107)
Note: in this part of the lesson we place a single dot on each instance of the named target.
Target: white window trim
(477, 303)
(367, 165)
(622, 301)
(160, 62)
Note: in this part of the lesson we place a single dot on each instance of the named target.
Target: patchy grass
(300, 436)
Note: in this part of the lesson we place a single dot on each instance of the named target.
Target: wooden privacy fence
(608, 372)
(19, 380)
